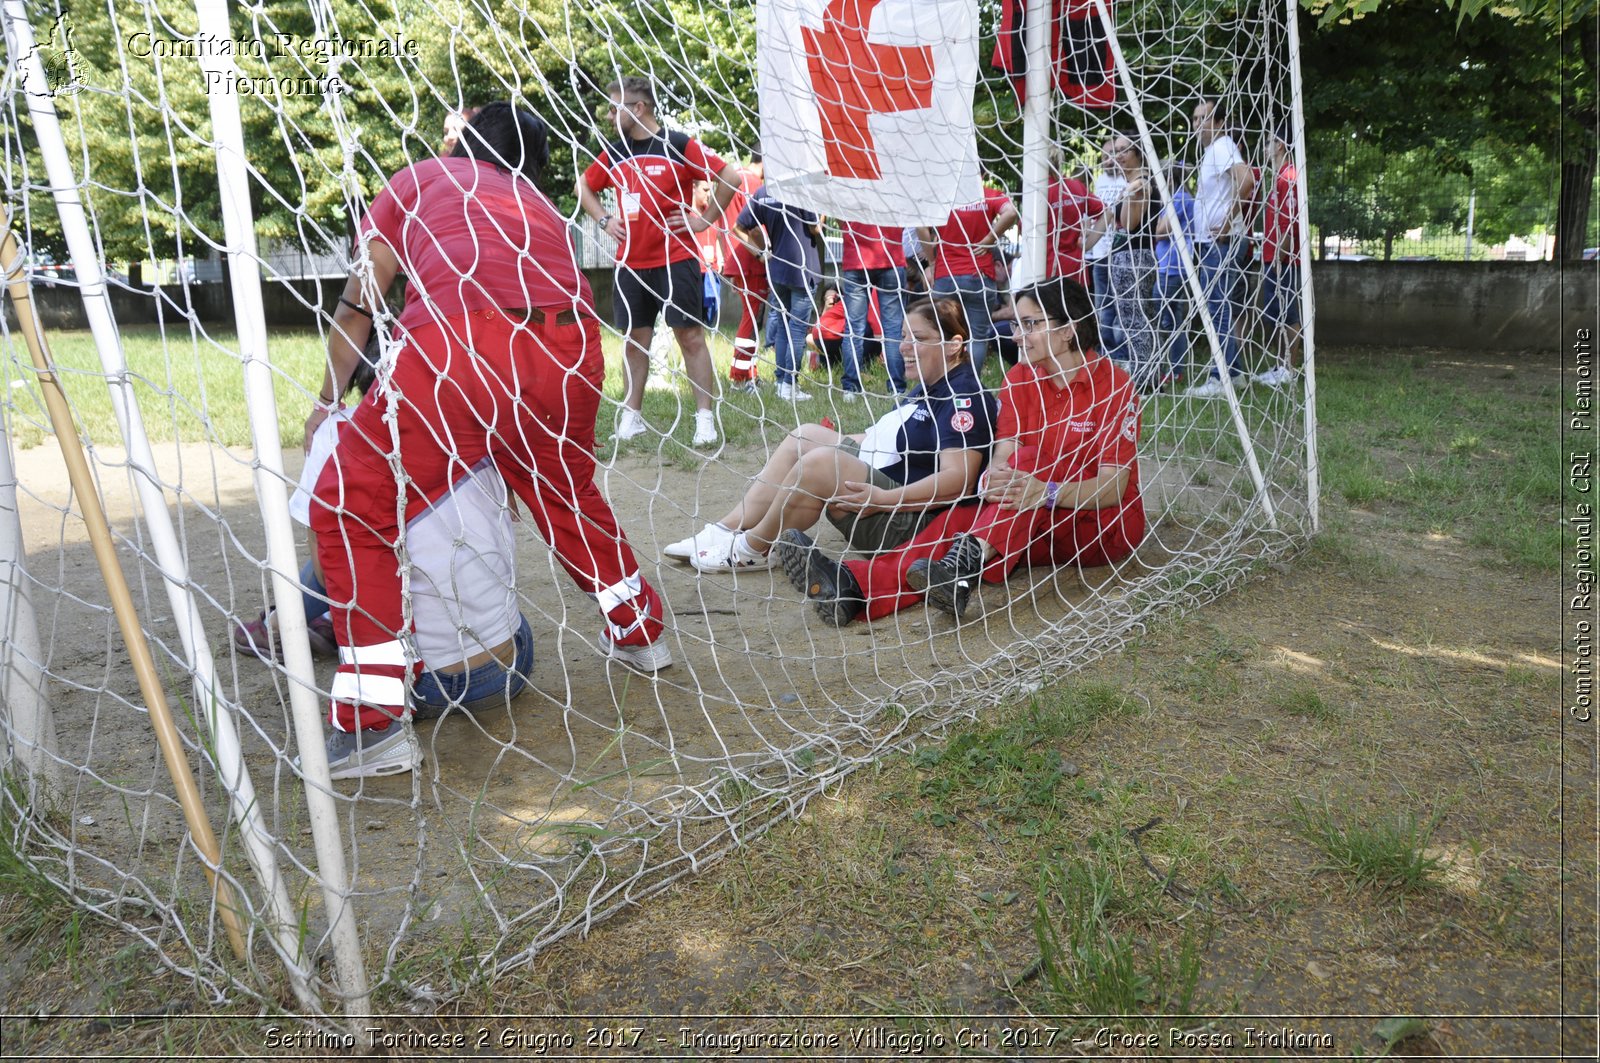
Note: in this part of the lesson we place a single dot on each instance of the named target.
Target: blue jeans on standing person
(1172, 300)
(483, 686)
(793, 304)
(1221, 279)
(1113, 344)
(857, 286)
(975, 292)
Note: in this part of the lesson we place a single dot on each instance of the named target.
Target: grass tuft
(1389, 853)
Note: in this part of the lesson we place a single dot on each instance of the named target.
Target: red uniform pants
(1037, 536)
(749, 278)
(523, 393)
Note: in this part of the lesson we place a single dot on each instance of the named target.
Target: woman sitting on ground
(879, 488)
(1063, 487)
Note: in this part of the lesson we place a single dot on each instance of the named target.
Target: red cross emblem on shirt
(854, 80)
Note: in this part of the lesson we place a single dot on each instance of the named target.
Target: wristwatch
(1051, 489)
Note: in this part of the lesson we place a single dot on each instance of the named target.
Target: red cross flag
(866, 106)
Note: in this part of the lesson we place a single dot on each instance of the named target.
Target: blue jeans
(1113, 343)
(793, 304)
(1172, 299)
(484, 686)
(974, 291)
(1222, 281)
(857, 285)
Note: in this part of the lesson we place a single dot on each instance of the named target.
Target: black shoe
(917, 575)
(952, 578)
(832, 590)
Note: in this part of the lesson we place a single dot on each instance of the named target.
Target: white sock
(743, 551)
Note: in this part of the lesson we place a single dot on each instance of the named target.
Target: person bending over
(1063, 487)
(500, 362)
(881, 486)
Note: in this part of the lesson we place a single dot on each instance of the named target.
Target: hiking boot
(827, 583)
(950, 581)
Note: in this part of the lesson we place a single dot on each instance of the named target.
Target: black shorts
(642, 294)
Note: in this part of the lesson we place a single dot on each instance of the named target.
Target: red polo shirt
(1067, 434)
(1068, 203)
(1282, 232)
(958, 255)
(654, 178)
(871, 246)
(469, 236)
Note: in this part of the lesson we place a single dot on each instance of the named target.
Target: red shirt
(1283, 226)
(958, 255)
(831, 325)
(871, 246)
(1068, 203)
(1067, 434)
(654, 178)
(469, 237)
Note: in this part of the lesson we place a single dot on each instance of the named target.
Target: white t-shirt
(1108, 189)
(463, 557)
(1214, 192)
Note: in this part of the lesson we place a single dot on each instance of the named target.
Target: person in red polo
(654, 172)
(1062, 488)
(962, 251)
(1072, 209)
(746, 271)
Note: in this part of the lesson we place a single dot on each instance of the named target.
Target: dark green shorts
(876, 532)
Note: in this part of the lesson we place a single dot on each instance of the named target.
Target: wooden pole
(144, 665)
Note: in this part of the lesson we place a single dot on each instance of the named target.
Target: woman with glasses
(882, 486)
(1063, 486)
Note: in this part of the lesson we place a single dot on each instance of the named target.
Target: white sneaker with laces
(1276, 378)
(791, 393)
(630, 424)
(705, 428)
(1209, 389)
(852, 396)
(708, 539)
(650, 658)
(737, 556)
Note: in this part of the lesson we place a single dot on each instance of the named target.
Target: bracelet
(357, 307)
(605, 220)
(1051, 490)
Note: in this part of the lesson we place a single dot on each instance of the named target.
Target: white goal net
(191, 186)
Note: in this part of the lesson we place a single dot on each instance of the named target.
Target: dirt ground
(1435, 669)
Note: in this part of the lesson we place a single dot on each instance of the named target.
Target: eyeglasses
(1036, 324)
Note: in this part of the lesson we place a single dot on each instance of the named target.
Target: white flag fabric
(866, 106)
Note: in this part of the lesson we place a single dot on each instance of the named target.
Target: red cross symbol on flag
(854, 80)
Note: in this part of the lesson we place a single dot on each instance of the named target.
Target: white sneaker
(630, 424)
(651, 658)
(1276, 378)
(852, 396)
(709, 538)
(791, 393)
(737, 556)
(705, 428)
(1209, 389)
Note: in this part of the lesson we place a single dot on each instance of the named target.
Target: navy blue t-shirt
(793, 257)
(955, 413)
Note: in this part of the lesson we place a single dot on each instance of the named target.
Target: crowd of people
(491, 385)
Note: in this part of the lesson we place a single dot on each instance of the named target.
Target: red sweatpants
(473, 386)
(1037, 536)
(749, 278)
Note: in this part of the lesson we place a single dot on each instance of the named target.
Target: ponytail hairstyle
(508, 136)
(1066, 302)
(946, 315)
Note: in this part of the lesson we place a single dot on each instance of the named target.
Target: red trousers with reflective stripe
(749, 278)
(1037, 536)
(477, 385)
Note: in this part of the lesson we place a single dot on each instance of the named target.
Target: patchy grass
(1388, 851)
(1127, 839)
